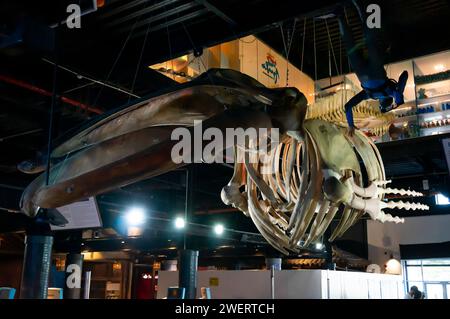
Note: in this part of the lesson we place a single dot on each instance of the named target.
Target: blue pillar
(36, 267)
(274, 263)
(187, 272)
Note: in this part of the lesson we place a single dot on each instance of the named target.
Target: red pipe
(38, 90)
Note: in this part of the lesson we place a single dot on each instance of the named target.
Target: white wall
(291, 284)
(384, 239)
(298, 284)
(233, 284)
(360, 285)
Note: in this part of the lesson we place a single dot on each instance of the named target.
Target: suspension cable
(315, 51)
(118, 57)
(303, 45)
(144, 43)
(348, 58)
(53, 105)
(331, 45)
(199, 57)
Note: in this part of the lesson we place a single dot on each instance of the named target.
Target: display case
(428, 113)
(432, 80)
(426, 110)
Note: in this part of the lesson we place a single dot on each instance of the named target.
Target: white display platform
(291, 284)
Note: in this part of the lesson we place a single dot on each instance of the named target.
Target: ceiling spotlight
(180, 222)
(135, 216)
(122, 242)
(218, 229)
(319, 246)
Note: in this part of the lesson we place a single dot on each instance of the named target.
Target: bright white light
(442, 200)
(319, 246)
(179, 222)
(218, 229)
(393, 267)
(135, 216)
(439, 67)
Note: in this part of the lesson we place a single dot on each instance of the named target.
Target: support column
(87, 285)
(36, 267)
(72, 283)
(187, 272)
(274, 263)
(328, 251)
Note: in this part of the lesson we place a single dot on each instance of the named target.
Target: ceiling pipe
(43, 92)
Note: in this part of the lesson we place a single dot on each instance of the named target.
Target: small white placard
(83, 214)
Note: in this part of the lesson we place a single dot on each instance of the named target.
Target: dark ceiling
(104, 65)
(410, 28)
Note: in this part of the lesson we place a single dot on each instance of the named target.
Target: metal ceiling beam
(122, 8)
(174, 21)
(133, 4)
(217, 12)
(138, 13)
(161, 16)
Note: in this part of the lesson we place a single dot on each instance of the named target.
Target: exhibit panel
(245, 284)
(288, 283)
(291, 284)
(354, 285)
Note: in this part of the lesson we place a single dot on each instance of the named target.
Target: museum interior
(342, 192)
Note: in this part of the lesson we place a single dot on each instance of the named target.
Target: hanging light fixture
(393, 266)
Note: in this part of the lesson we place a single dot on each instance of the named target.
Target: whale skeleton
(292, 191)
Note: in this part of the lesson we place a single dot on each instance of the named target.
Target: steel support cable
(348, 58)
(90, 79)
(144, 43)
(331, 45)
(194, 48)
(52, 106)
(315, 52)
(287, 46)
(303, 45)
(118, 57)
